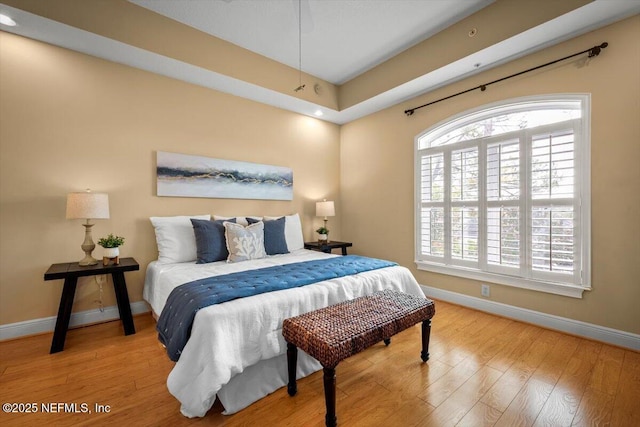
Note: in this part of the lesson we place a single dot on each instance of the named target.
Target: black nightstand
(70, 271)
(327, 247)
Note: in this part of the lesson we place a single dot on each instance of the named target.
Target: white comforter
(236, 350)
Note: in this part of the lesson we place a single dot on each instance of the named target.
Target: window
(502, 194)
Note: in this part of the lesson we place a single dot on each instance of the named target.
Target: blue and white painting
(183, 175)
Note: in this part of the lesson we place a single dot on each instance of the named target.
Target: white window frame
(545, 282)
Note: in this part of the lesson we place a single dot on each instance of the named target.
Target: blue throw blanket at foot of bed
(176, 319)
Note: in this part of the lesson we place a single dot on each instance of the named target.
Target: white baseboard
(570, 326)
(81, 318)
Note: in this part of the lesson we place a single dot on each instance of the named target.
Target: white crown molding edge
(81, 318)
(570, 326)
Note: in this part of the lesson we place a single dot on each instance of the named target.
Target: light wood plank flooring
(484, 370)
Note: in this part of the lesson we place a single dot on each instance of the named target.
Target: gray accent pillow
(244, 243)
(275, 241)
(211, 245)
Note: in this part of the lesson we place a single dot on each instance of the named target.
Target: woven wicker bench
(334, 333)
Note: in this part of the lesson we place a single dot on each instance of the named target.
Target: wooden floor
(484, 370)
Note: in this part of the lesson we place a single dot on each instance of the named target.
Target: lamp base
(87, 261)
(87, 246)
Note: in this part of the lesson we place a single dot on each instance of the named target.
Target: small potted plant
(111, 245)
(323, 235)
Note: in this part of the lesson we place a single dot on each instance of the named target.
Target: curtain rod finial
(595, 51)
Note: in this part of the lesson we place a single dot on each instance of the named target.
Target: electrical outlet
(485, 291)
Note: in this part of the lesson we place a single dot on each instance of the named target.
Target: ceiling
(341, 39)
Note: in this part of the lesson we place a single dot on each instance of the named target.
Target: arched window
(502, 194)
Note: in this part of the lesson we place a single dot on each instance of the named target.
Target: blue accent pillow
(274, 241)
(211, 244)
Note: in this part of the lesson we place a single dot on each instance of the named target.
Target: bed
(236, 352)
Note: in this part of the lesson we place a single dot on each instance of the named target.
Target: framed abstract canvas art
(183, 175)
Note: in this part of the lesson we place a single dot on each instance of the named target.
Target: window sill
(567, 290)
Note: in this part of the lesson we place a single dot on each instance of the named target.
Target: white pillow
(175, 238)
(242, 220)
(292, 231)
(244, 243)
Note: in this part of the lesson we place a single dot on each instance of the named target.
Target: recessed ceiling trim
(582, 20)
(63, 35)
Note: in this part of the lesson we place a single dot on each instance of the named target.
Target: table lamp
(325, 209)
(87, 205)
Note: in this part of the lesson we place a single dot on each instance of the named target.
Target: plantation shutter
(432, 211)
(499, 196)
(504, 206)
(554, 208)
(464, 206)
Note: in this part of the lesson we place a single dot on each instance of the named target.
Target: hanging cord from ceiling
(300, 85)
(593, 51)
(100, 282)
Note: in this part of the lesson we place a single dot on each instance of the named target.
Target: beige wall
(71, 121)
(377, 181)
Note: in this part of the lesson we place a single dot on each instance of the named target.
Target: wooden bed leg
(426, 333)
(292, 362)
(330, 396)
(387, 341)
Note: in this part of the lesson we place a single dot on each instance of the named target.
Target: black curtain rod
(594, 51)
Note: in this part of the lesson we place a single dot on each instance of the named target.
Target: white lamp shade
(325, 208)
(87, 205)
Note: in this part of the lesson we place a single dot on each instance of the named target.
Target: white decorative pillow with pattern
(244, 243)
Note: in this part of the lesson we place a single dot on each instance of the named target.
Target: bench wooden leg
(330, 396)
(292, 361)
(426, 333)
